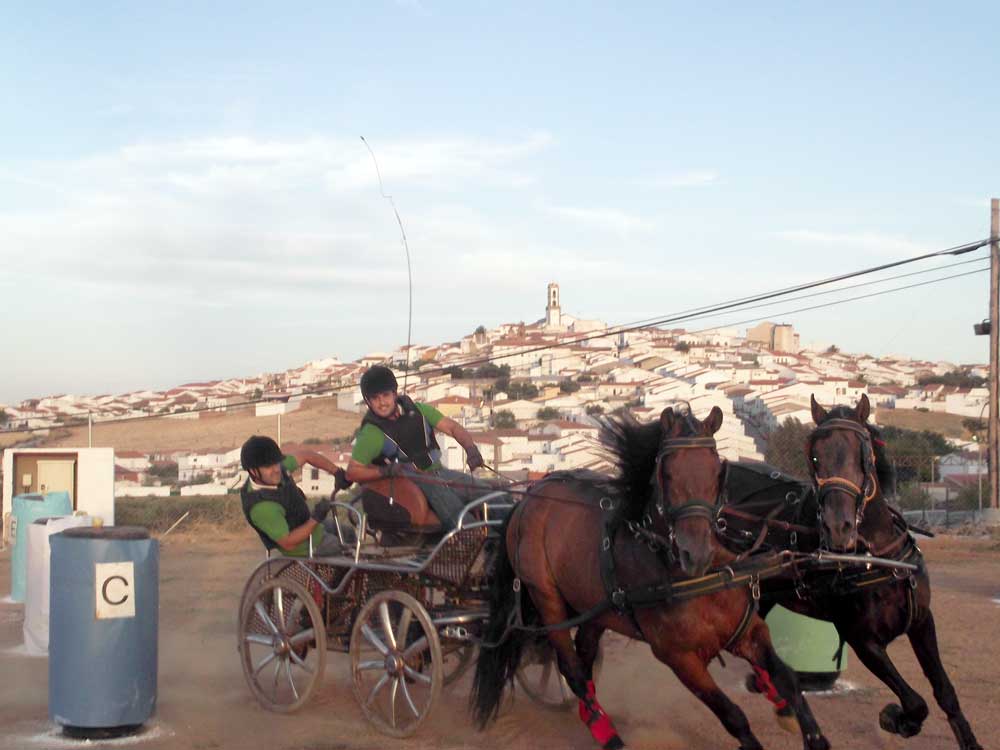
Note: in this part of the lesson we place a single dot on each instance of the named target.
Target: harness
(409, 438)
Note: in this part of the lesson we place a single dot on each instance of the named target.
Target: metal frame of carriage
(410, 619)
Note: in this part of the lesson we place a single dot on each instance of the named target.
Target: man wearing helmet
(276, 507)
(397, 437)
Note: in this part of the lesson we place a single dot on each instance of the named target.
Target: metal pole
(90, 430)
(992, 514)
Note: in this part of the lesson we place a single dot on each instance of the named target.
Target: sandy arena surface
(203, 702)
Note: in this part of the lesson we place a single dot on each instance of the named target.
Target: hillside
(949, 425)
(317, 418)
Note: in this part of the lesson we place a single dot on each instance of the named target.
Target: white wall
(95, 479)
(136, 490)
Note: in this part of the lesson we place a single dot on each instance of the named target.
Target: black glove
(321, 511)
(340, 481)
(474, 458)
(390, 470)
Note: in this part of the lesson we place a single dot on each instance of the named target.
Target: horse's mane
(633, 447)
(884, 470)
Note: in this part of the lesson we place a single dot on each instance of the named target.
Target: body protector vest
(409, 438)
(287, 494)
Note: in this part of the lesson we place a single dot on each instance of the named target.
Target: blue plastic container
(26, 509)
(104, 614)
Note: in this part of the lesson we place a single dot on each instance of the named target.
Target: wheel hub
(393, 664)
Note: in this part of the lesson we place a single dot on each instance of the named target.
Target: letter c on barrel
(107, 584)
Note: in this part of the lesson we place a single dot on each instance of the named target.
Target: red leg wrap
(602, 729)
(767, 687)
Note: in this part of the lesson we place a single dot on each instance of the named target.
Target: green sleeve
(432, 415)
(290, 463)
(270, 518)
(368, 445)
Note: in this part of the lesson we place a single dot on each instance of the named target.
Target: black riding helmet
(260, 451)
(377, 379)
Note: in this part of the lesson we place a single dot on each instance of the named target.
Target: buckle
(618, 598)
(607, 503)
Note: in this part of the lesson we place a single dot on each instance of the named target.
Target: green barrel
(808, 646)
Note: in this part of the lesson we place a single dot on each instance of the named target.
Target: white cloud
(605, 219)
(686, 179)
(872, 242)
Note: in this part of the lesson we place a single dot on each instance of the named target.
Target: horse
(844, 509)
(667, 488)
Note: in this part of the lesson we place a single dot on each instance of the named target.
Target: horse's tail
(501, 652)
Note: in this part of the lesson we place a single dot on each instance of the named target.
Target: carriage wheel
(282, 644)
(539, 677)
(457, 657)
(261, 573)
(396, 663)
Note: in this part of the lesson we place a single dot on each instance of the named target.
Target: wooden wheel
(282, 644)
(397, 667)
(269, 569)
(539, 677)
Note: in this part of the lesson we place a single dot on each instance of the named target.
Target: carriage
(407, 604)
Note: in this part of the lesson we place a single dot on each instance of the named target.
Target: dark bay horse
(670, 480)
(844, 509)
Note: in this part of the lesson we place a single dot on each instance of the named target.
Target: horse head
(690, 479)
(842, 462)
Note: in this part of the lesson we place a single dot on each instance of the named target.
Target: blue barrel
(809, 646)
(26, 509)
(104, 611)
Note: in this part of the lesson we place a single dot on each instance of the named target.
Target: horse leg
(923, 638)
(578, 674)
(588, 641)
(693, 673)
(905, 720)
(779, 683)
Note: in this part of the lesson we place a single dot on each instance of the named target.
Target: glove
(321, 511)
(340, 481)
(390, 470)
(474, 458)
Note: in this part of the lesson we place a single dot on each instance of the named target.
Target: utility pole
(991, 515)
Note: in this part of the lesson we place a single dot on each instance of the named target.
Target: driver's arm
(450, 427)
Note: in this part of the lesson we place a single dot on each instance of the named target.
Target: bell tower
(553, 314)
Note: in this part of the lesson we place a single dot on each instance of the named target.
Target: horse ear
(864, 409)
(713, 421)
(667, 420)
(818, 412)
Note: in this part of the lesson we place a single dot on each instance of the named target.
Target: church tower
(553, 314)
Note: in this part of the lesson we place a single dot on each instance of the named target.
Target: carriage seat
(406, 520)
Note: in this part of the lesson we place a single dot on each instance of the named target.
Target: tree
(456, 372)
(682, 346)
(166, 470)
(522, 390)
(256, 395)
(490, 370)
(548, 412)
(568, 386)
(594, 409)
(480, 329)
(3, 416)
(832, 349)
(786, 448)
(504, 420)
(585, 378)
(957, 378)
(971, 424)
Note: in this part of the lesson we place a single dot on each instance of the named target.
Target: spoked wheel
(396, 663)
(282, 644)
(271, 569)
(457, 657)
(539, 677)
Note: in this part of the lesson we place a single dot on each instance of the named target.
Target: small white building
(87, 474)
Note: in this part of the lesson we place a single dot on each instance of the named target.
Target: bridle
(696, 508)
(826, 485)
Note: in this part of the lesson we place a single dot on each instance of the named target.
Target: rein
(869, 488)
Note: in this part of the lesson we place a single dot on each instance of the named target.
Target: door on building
(57, 476)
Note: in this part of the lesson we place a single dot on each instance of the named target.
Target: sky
(184, 193)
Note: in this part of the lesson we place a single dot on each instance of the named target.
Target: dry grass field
(316, 418)
(949, 425)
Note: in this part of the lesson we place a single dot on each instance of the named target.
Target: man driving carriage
(397, 438)
(276, 507)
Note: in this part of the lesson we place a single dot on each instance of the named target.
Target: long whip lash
(409, 270)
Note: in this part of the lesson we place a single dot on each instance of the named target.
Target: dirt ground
(203, 702)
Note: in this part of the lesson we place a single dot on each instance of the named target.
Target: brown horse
(669, 484)
(849, 467)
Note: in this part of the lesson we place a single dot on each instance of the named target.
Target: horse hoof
(615, 743)
(893, 720)
(787, 720)
(751, 684)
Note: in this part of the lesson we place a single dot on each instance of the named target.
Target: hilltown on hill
(758, 379)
